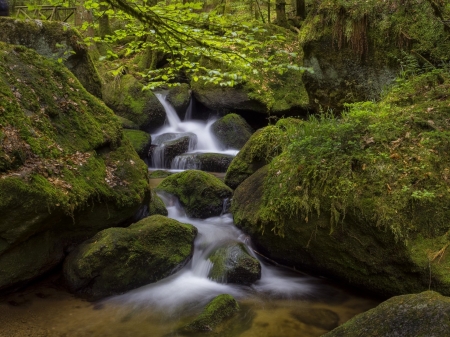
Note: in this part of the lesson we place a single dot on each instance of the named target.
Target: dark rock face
(119, 259)
(216, 312)
(201, 194)
(424, 314)
(233, 264)
(232, 131)
(54, 40)
(169, 145)
(340, 76)
(211, 162)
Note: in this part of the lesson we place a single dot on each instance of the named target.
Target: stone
(232, 131)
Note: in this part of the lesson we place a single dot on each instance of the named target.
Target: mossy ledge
(65, 169)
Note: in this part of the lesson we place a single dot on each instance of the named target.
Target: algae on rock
(119, 259)
(232, 131)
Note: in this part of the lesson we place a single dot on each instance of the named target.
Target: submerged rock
(216, 312)
(424, 314)
(156, 205)
(321, 318)
(140, 140)
(126, 97)
(211, 162)
(66, 171)
(232, 131)
(233, 264)
(56, 41)
(201, 194)
(119, 259)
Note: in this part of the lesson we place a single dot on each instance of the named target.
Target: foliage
(385, 163)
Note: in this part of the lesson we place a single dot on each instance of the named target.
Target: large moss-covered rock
(233, 264)
(216, 312)
(424, 314)
(66, 171)
(126, 97)
(156, 205)
(56, 41)
(140, 140)
(201, 194)
(364, 198)
(232, 131)
(119, 259)
(211, 162)
(179, 98)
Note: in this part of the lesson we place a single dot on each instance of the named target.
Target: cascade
(178, 137)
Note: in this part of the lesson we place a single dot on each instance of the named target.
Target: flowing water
(201, 139)
(281, 303)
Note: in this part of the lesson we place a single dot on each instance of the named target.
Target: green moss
(140, 140)
(232, 131)
(201, 193)
(120, 259)
(127, 124)
(160, 174)
(156, 205)
(217, 311)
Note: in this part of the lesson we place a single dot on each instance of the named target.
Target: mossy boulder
(126, 97)
(179, 98)
(211, 162)
(347, 197)
(119, 259)
(56, 41)
(127, 124)
(424, 314)
(216, 312)
(201, 194)
(66, 171)
(232, 131)
(140, 140)
(260, 149)
(233, 264)
(156, 205)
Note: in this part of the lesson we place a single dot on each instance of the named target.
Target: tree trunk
(300, 9)
(281, 13)
(103, 23)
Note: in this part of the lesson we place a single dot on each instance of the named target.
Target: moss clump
(127, 124)
(217, 311)
(199, 192)
(156, 205)
(233, 264)
(362, 198)
(160, 174)
(260, 149)
(232, 131)
(140, 140)
(119, 259)
(126, 97)
(424, 314)
(179, 97)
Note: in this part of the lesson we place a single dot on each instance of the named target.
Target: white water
(206, 142)
(191, 288)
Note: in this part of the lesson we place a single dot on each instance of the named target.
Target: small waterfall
(186, 162)
(188, 115)
(171, 114)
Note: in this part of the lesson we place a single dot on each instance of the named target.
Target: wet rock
(140, 140)
(119, 259)
(216, 312)
(233, 264)
(169, 146)
(320, 318)
(424, 314)
(156, 205)
(126, 97)
(179, 98)
(232, 131)
(201, 194)
(56, 41)
(211, 162)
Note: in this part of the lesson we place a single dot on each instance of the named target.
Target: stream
(282, 303)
